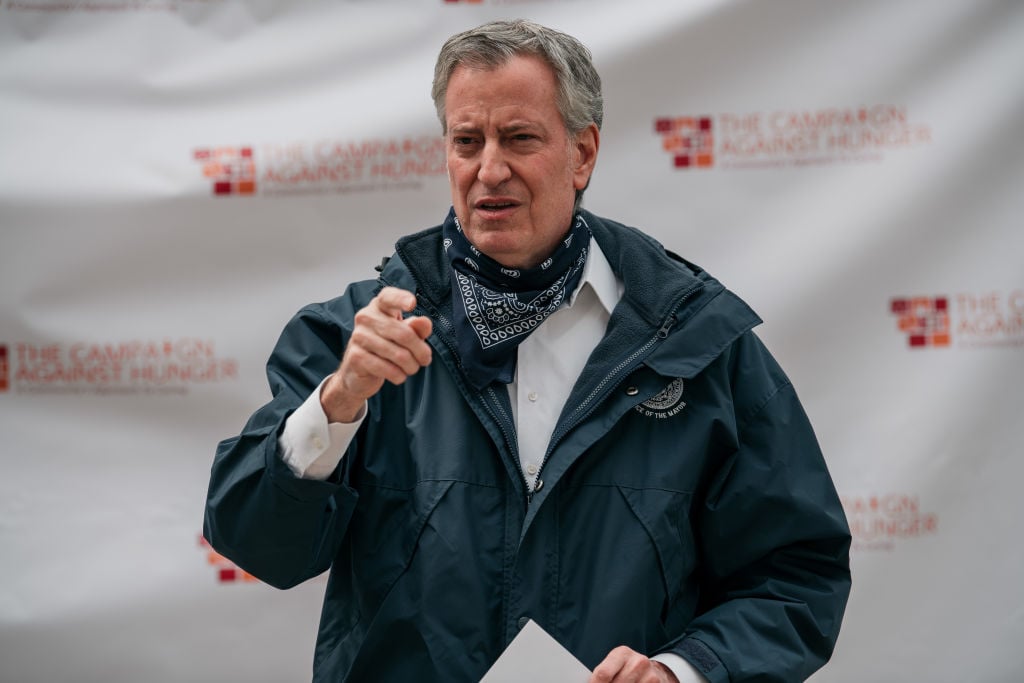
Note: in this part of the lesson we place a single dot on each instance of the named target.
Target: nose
(494, 169)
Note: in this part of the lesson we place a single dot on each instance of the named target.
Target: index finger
(394, 301)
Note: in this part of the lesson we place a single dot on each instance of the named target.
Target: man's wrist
(667, 672)
(337, 405)
(312, 446)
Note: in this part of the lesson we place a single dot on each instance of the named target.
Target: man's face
(513, 169)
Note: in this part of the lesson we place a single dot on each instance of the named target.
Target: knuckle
(354, 355)
(363, 316)
(358, 338)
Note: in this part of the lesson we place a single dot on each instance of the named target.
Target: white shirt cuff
(312, 447)
(684, 671)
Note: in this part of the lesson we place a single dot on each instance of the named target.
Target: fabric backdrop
(177, 177)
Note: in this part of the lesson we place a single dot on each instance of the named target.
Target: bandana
(496, 308)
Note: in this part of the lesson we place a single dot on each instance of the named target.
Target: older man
(536, 413)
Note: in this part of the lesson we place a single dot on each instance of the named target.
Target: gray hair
(493, 44)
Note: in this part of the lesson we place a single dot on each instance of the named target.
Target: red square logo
(688, 139)
(232, 169)
(925, 320)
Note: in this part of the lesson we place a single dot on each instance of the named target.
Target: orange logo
(231, 169)
(688, 139)
(783, 138)
(323, 166)
(227, 571)
(925, 320)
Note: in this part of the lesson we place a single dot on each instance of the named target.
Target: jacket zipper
(597, 396)
(584, 409)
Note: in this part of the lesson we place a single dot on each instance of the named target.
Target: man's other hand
(623, 665)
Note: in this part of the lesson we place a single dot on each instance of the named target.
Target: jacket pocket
(388, 531)
(664, 516)
(364, 574)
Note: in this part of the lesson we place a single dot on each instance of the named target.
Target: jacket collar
(662, 292)
(637, 259)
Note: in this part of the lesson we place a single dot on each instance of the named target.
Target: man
(536, 413)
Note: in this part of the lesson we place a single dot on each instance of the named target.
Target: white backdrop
(178, 177)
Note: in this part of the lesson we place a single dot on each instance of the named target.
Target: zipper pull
(666, 326)
(537, 487)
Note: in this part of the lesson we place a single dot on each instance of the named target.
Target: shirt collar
(599, 276)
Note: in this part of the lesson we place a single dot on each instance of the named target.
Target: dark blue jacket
(686, 506)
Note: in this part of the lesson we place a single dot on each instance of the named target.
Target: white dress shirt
(553, 356)
(548, 363)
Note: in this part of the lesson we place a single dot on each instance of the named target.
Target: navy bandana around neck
(496, 308)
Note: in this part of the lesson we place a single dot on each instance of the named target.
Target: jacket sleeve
(280, 528)
(773, 538)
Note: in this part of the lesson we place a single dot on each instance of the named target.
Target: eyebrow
(502, 130)
(518, 126)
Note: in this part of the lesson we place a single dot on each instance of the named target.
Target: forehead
(525, 84)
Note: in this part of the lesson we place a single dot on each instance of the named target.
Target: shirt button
(532, 396)
(523, 621)
(531, 470)
(318, 443)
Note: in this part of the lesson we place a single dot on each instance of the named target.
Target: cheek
(554, 182)
(560, 169)
(458, 174)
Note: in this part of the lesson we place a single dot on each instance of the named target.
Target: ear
(585, 147)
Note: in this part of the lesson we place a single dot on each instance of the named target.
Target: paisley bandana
(496, 308)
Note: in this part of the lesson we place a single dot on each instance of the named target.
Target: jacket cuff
(290, 484)
(703, 659)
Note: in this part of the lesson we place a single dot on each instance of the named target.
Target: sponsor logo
(226, 570)
(167, 366)
(989, 319)
(5, 369)
(230, 169)
(688, 139)
(666, 403)
(777, 138)
(925, 320)
(882, 522)
(323, 166)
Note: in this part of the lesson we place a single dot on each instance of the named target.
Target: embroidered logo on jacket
(667, 403)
